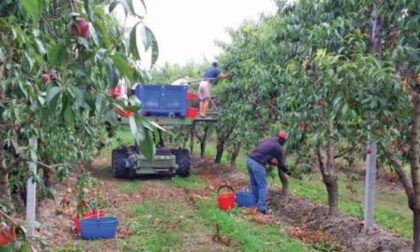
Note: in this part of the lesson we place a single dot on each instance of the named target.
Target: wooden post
(31, 190)
(370, 180)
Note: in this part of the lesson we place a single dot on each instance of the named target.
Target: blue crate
(163, 99)
(98, 228)
(245, 199)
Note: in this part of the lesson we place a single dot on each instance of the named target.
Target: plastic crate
(163, 99)
(245, 199)
(98, 228)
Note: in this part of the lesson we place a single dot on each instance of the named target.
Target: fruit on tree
(15, 127)
(45, 78)
(79, 27)
(403, 148)
(414, 95)
(394, 32)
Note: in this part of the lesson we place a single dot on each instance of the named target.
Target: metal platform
(211, 117)
(170, 121)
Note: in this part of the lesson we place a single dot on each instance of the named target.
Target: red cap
(282, 134)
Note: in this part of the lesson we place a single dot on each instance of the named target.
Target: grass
(194, 181)
(233, 228)
(168, 224)
(245, 233)
(151, 226)
(391, 209)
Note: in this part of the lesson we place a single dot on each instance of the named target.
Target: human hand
(274, 161)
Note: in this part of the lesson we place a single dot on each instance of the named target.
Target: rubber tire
(183, 160)
(118, 163)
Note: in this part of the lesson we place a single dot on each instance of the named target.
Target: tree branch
(320, 161)
(402, 174)
(339, 155)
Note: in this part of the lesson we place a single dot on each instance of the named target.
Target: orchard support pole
(31, 190)
(371, 156)
(370, 180)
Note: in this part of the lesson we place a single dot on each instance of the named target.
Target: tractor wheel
(119, 163)
(183, 160)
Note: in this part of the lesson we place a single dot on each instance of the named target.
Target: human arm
(223, 75)
(281, 162)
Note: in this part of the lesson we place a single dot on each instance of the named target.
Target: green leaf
(7, 248)
(69, 116)
(23, 88)
(30, 60)
(133, 107)
(41, 100)
(130, 5)
(40, 46)
(102, 34)
(57, 55)
(112, 73)
(52, 92)
(32, 7)
(137, 132)
(26, 247)
(2, 58)
(79, 96)
(144, 5)
(113, 5)
(49, 192)
(147, 40)
(155, 47)
(124, 5)
(133, 43)
(99, 101)
(88, 8)
(122, 64)
(147, 146)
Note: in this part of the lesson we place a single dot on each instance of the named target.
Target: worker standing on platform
(211, 76)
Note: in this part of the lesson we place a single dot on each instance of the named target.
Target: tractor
(167, 105)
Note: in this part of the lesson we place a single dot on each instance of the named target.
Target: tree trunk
(202, 149)
(416, 231)
(284, 182)
(203, 141)
(222, 136)
(328, 172)
(415, 168)
(235, 154)
(332, 189)
(49, 177)
(414, 148)
(219, 150)
(185, 137)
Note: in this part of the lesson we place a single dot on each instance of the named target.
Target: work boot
(264, 211)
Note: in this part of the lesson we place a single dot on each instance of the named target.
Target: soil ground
(172, 210)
